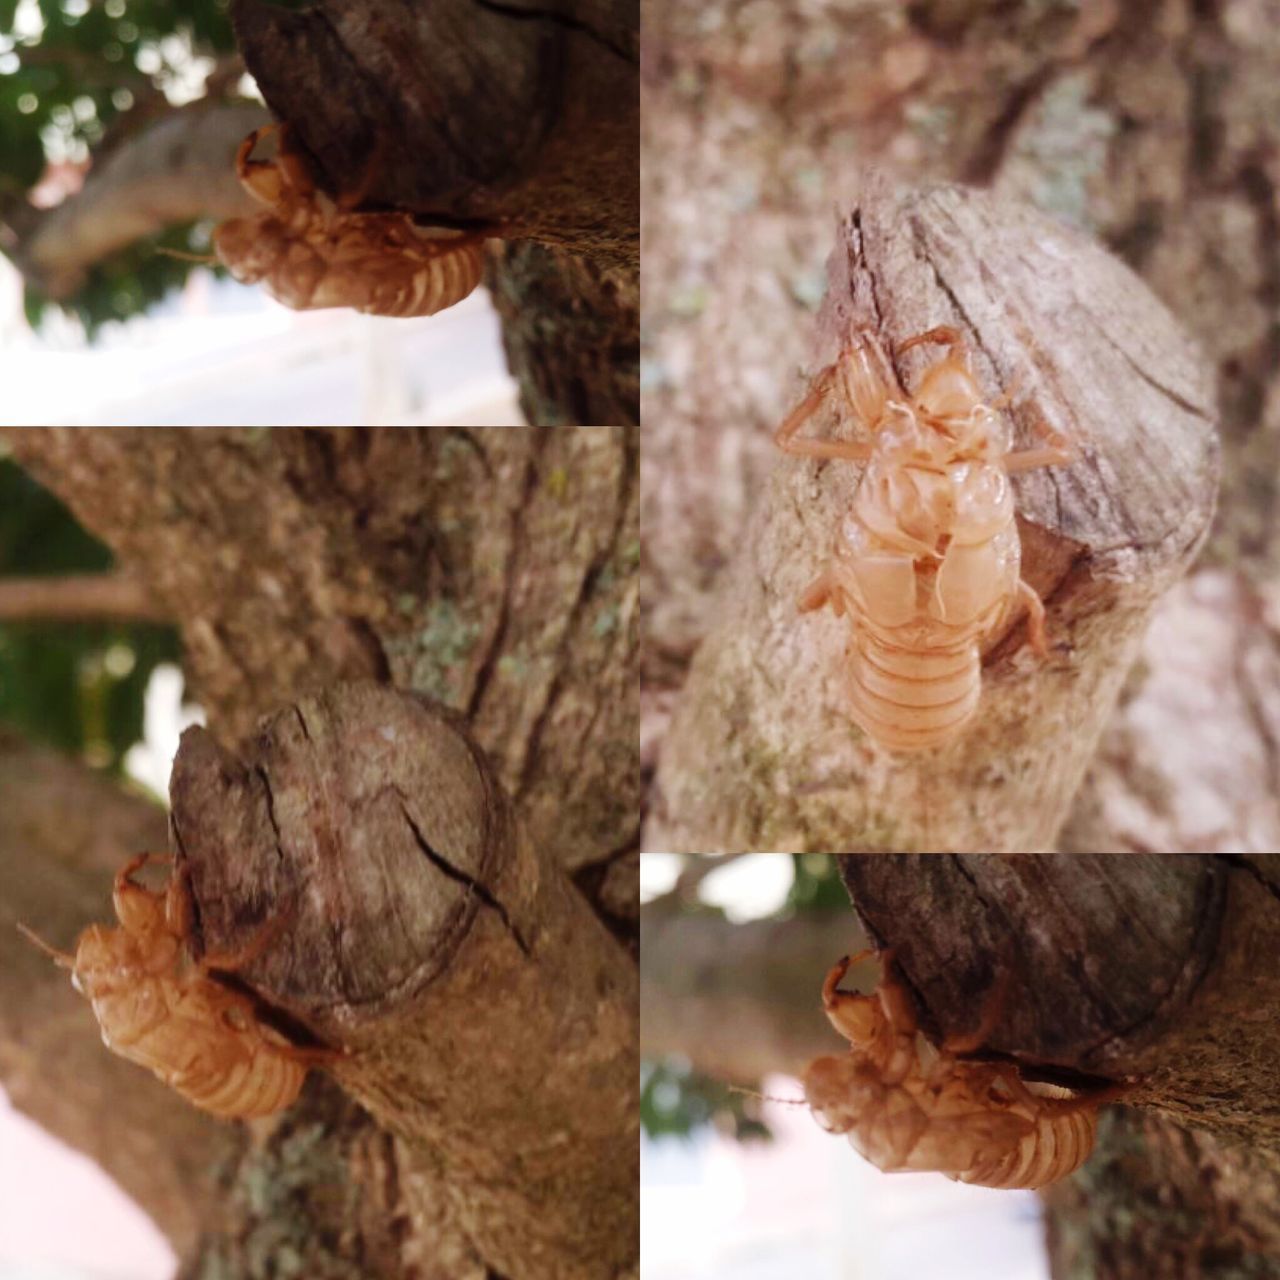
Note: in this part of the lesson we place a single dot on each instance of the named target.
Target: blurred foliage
(75, 686)
(817, 885)
(78, 76)
(132, 280)
(675, 1100)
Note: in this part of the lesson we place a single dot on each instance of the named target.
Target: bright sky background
(219, 352)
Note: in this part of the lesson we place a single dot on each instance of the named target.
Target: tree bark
(1158, 1202)
(494, 571)
(483, 1007)
(762, 753)
(1151, 969)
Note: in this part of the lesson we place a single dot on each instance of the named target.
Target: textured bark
(571, 329)
(1211, 659)
(1152, 125)
(178, 169)
(63, 833)
(739, 1000)
(484, 1008)
(491, 570)
(484, 112)
(1152, 969)
(762, 753)
(1156, 1202)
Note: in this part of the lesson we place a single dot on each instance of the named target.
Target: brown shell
(159, 1008)
(927, 563)
(929, 1110)
(309, 251)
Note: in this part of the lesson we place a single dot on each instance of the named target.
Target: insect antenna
(767, 1097)
(61, 958)
(205, 259)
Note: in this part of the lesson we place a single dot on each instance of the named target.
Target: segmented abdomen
(1058, 1147)
(256, 1086)
(910, 699)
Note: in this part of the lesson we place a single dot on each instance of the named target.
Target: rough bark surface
(762, 753)
(484, 112)
(1211, 659)
(571, 329)
(1157, 1202)
(1152, 969)
(1151, 125)
(485, 1009)
(493, 571)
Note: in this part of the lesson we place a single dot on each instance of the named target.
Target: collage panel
(1037, 1067)
(319, 797)
(960, 434)
(235, 212)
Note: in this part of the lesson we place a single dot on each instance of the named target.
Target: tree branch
(762, 753)
(485, 1008)
(479, 110)
(176, 170)
(740, 1001)
(1131, 967)
(493, 569)
(102, 595)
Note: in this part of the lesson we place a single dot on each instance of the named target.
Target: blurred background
(738, 1182)
(118, 127)
(109, 693)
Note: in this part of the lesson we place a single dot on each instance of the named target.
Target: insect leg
(943, 335)
(992, 1008)
(1036, 633)
(857, 451)
(230, 961)
(822, 590)
(1057, 452)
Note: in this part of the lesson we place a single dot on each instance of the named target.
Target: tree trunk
(495, 572)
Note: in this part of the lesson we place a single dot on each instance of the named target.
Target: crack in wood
(445, 867)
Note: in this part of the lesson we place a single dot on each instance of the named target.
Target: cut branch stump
(490, 1018)
(762, 753)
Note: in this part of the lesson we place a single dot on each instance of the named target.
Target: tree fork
(762, 753)
(491, 1019)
